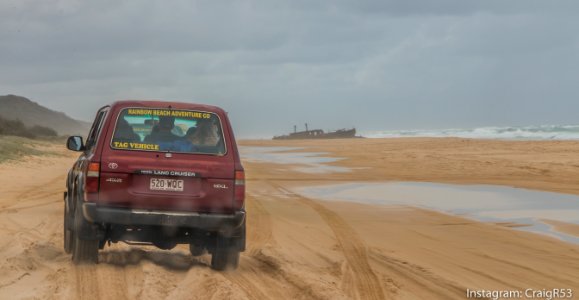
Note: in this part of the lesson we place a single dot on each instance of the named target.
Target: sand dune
(302, 248)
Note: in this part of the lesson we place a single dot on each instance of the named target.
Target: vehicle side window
(96, 129)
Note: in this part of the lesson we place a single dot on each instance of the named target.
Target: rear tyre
(83, 251)
(225, 256)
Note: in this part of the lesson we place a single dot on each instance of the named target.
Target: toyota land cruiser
(156, 173)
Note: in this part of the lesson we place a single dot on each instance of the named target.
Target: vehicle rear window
(168, 130)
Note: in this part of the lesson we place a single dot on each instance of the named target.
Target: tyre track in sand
(425, 284)
(246, 284)
(366, 284)
(30, 198)
(37, 218)
(293, 284)
(265, 273)
(30, 234)
(99, 282)
(85, 282)
(258, 235)
(259, 224)
(35, 266)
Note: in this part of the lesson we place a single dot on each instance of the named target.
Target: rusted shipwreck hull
(318, 134)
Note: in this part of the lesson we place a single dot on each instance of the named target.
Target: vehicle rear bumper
(126, 216)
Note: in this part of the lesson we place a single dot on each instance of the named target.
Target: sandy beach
(300, 247)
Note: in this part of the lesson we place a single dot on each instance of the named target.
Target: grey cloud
(273, 64)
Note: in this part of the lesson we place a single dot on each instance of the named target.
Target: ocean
(541, 132)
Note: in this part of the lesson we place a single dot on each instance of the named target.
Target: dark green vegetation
(17, 128)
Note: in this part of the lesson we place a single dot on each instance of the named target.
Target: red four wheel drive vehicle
(160, 173)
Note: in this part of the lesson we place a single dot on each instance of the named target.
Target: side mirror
(75, 143)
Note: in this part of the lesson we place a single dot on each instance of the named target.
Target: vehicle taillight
(239, 189)
(92, 181)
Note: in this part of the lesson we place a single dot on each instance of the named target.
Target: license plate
(162, 184)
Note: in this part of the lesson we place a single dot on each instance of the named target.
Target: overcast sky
(371, 64)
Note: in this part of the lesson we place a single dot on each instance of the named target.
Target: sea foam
(541, 132)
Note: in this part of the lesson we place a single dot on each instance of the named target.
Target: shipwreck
(318, 134)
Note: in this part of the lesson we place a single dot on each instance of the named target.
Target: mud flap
(87, 230)
(69, 219)
(235, 237)
(240, 238)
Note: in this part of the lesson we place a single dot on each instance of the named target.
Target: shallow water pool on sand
(485, 203)
(307, 162)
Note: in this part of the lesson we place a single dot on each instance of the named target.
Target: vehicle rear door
(166, 180)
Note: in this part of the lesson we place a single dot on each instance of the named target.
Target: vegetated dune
(31, 113)
(13, 147)
(298, 248)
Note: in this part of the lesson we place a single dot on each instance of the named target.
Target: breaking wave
(542, 132)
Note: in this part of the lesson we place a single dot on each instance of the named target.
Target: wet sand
(305, 248)
(450, 248)
(540, 165)
(548, 213)
(566, 227)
